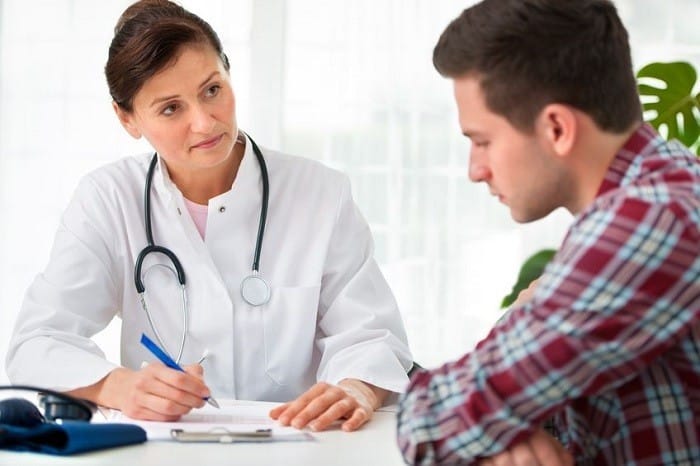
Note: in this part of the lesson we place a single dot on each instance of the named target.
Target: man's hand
(541, 449)
(526, 294)
(323, 404)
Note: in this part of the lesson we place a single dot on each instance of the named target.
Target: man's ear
(127, 121)
(559, 126)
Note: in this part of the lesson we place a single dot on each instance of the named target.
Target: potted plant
(671, 106)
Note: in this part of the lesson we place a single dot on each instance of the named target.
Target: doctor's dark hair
(527, 54)
(147, 38)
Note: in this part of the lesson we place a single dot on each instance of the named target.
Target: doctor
(321, 330)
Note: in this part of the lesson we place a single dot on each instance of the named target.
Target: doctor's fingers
(311, 404)
(194, 369)
(288, 410)
(181, 387)
(277, 410)
(151, 407)
(355, 413)
(359, 418)
(327, 408)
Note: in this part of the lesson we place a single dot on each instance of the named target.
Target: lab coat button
(222, 209)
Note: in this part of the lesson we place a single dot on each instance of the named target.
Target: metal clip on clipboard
(222, 436)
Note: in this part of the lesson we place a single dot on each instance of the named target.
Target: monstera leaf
(530, 270)
(666, 90)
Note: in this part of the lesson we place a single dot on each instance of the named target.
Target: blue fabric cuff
(69, 437)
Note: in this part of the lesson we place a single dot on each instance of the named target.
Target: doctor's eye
(213, 90)
(480, 144)
(169, 109)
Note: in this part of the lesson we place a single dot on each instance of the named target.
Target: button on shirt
(609, 345)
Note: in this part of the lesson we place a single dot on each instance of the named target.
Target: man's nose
(478, 170)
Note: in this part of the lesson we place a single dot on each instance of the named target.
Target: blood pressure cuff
(69, 437)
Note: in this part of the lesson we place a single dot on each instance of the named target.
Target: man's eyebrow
(471, 133)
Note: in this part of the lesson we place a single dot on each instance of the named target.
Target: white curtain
(347, 83)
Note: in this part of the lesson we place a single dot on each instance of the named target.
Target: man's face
(518, 167)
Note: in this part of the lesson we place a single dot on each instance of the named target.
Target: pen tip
(213, 402)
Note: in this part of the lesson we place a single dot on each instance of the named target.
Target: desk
(374, 444)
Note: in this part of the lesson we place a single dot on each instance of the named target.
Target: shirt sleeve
(361, 331)
(615, 297)
(73, 299)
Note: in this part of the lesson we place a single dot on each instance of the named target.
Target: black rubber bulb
(19, 412)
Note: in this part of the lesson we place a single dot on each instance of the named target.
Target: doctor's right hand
(154, 393)
(158, 393)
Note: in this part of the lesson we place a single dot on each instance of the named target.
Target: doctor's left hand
(323, 404)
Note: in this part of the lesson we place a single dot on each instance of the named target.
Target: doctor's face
(517, 166)
(187, 111)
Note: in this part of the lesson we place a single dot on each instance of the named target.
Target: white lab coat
(331, 315)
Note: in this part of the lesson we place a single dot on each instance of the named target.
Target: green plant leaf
(667, 96)
(530, 270)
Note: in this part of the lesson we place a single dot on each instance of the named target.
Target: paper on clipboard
(232, 418)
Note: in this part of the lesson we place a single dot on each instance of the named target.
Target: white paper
(233, 416)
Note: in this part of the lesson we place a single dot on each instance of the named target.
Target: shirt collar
(640, 143)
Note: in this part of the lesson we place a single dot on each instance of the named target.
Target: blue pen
(168, 361)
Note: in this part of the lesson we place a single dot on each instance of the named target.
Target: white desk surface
(374, 444)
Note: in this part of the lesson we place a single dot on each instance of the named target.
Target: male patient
(608, 345)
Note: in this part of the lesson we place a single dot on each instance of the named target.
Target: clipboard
(226, 436)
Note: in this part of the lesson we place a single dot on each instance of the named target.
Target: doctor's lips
(208, 143)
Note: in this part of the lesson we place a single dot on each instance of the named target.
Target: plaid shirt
(609, 345)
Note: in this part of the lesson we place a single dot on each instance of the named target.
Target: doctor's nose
(201, 120)
(478, 169)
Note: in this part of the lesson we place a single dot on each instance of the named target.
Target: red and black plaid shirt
(609, 345)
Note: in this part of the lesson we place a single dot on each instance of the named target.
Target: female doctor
(166, 242)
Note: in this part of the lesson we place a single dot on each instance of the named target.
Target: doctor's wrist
(367, 394)
(108, 391)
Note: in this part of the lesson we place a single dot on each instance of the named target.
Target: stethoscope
(254, 289)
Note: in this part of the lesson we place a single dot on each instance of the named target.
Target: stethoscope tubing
(179, 272)
(263, 207)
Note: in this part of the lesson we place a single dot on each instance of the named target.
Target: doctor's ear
(127, 121)
(559, 126)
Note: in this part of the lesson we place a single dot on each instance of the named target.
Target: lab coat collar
(247, 179)
(161, 180)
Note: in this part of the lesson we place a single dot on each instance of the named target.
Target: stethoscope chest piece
(255, 290)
